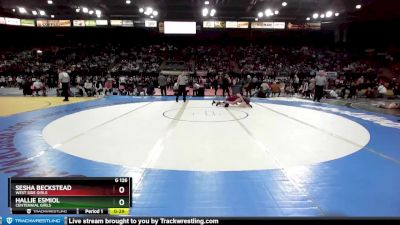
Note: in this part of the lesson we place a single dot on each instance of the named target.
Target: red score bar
(117, 190)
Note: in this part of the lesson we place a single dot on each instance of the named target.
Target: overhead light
(206, 2)
(337, 14)
(308, 18)
(149, 10)
(78, 10)
(13, 10)
(141, 10)
(22, 10)
(260, 14)
(39, 51)
(151, 17)
(91, 12)
(204, 12)
(98, 12)
(276, 12)
(358, 6)
(268, 12)
(155, 13)
(284, 4)
(128, 2)
(49, 2)
(315, 15)
(85, 10)
(322, 16)
(42, 13)
(52, 16)
(328, 14)
(213, 11)
(256, 19)
(34, 12)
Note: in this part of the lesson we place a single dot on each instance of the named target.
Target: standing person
(296, 82)
(320, 83)
(182, 82)
(162, 81)
(64, 80)
(225, 86)
(215, 85)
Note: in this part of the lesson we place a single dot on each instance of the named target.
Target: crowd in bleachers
(261, 71)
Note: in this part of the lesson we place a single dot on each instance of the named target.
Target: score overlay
(69, 195)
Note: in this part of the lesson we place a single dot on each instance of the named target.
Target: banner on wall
(304, 26)
(214, 24)
(116, 23)
(78, 23)
(53, 23)
(27, 23)
(101, 22)
(237, 24)
(90, 23)
(13, 21)
(150, 23)
(127, 23)
(2, 20)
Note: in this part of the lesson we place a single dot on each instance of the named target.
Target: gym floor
(283, 157)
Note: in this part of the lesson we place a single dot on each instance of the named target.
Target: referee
(64, 79)
(182, 82)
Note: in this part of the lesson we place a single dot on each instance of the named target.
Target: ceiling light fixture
(213, 11)
(315, 15)
(22, 10)
(34, 12)
(50, 2)
(128, 2)
(284, 4)
(42, 13)
(204, 12)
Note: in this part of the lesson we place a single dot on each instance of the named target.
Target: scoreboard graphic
(101, 195)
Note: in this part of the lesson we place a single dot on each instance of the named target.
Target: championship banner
(90, 23)
(279, 25)
(2, 20)
(237, 24)
(13, 21)
(53, 23)
(78, 23)
(262, 25)
(27, 23)
(101, 22)
(215, 24)
(304, 26)
(150, 23)
(116, 23)
(127, 23)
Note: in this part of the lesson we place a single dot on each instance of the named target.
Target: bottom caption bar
(123, 220)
